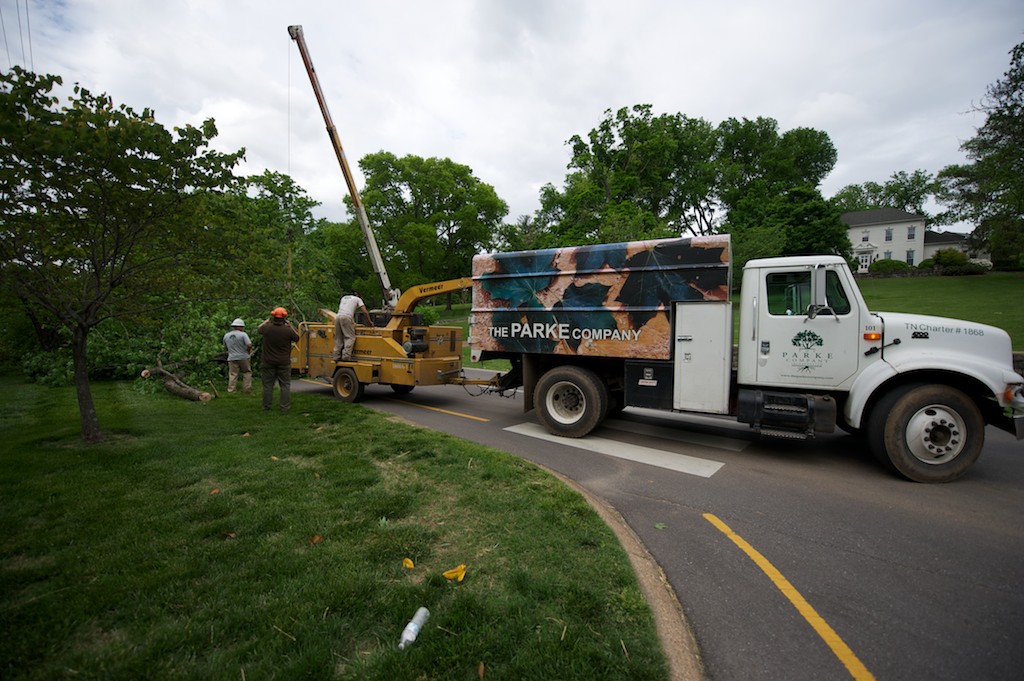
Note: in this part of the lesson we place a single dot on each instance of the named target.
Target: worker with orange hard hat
(276, 361)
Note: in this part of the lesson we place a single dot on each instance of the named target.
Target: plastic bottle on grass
(412, 629)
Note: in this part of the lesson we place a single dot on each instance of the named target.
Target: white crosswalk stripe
(681, 463)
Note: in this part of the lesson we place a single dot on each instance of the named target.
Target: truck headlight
(1014, 396)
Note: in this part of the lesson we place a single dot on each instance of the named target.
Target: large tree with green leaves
(756, 163)
(903, 190)
(640, 176)
(280, 262)
(797, 222)
(103, 211)
(430, 215)
(636, 175)
(989, 190)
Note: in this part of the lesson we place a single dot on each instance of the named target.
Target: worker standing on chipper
(345, 325)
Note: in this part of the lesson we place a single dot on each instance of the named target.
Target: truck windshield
(789, 293)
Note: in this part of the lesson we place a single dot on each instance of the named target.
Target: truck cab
(920, 388)
(803, 324)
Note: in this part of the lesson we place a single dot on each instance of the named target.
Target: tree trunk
(90, 422)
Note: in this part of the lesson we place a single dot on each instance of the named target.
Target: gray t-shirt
(238, 344)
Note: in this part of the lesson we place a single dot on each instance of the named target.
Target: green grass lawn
(217, 541)
(996, 298)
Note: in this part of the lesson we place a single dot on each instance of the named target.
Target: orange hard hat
(279, 312)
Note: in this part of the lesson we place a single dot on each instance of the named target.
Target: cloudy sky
(500, 85)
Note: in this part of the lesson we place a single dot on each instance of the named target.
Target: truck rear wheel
(571, 401)
(347, 386)
(927, 433)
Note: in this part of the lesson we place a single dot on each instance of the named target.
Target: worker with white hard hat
(239, 347)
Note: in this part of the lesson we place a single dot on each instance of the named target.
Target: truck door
(807, 328)
(702, 356)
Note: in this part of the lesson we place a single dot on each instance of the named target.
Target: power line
(28, 28)
(24, 34)
(20, 34)
(7, 47)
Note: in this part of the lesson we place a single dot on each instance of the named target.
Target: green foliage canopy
(798, 222)
(431, 216)
(990, 189)
(104, 211)
(903, 190)
(640, 176)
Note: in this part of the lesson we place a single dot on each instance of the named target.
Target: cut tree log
(175, 385)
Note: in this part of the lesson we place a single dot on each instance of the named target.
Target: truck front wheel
(571, 401)
(927, 433)
(347, 386)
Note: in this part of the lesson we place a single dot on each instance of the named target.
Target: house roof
(863, 218)
(944, 238)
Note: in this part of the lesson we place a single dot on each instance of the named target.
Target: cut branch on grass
(174, 384)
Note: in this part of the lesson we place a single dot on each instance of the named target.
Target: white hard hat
(238, 322)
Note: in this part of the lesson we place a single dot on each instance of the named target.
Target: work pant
(282, 375)
(344, 337)
(234, 367)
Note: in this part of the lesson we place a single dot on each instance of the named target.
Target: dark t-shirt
(278, 336)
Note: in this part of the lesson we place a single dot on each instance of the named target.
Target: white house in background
(894, 234)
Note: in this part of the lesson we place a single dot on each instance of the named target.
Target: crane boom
(390, 294)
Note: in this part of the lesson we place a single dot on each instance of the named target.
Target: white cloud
(500, 85)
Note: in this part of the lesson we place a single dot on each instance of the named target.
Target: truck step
(782, 407)
(783, 434)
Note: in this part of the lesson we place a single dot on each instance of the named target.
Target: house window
(910, 257)
(911, 231)
(888, 255)
(888, 233)
(864, 237)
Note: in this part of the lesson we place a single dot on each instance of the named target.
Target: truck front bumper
(1012, 424)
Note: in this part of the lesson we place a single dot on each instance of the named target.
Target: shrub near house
(888, 266)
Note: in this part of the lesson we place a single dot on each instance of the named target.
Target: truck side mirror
(819, 297)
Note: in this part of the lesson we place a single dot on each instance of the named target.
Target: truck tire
(571, 401)
(347, 386)
(927, 433)
(401, 388)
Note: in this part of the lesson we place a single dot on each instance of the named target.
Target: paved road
(793, 561)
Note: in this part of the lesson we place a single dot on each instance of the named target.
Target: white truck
(592, 329)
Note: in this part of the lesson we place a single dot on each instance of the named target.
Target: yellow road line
(827, 633)
(445, 411)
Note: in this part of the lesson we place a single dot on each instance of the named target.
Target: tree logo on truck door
(808, 340)
(807, 357)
